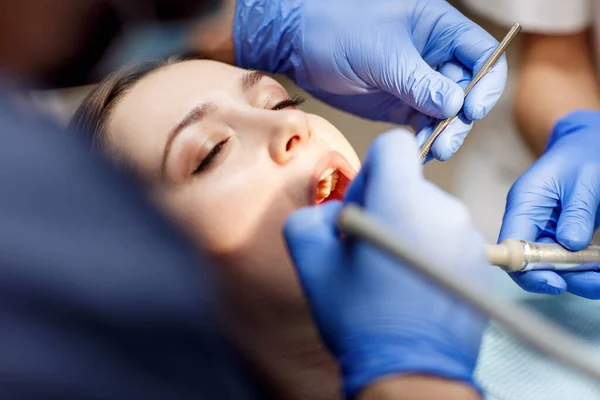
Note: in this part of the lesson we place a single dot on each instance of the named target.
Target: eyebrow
(196, 114)
(193, 116)
(250, 79)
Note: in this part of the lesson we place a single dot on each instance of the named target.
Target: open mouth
(332, 186)
(334, 176)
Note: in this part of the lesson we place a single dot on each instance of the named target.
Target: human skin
(235, 208)
(558, 76)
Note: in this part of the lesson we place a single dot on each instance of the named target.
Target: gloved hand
(557, 200)
(377, 316)
(376, 59)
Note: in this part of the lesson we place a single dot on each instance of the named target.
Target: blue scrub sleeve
(99, 297)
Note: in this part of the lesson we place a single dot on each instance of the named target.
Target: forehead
(146, 114)
(187, 77)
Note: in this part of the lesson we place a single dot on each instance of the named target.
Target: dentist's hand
(377, 316)
(376, 59)
(557, 199)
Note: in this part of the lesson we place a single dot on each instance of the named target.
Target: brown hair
(93, 114)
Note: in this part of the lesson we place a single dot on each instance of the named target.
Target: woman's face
(230, 156)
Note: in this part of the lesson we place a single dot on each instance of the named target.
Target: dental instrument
(491, 61)
(520, 255)
(539, 333)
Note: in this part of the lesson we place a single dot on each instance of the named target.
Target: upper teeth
(326, 173)
(327, 184)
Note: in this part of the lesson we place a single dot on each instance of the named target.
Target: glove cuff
(571, 123)
(264, 33)
(363, 367)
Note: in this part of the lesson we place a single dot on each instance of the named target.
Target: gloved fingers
(453, 71)
(545, 282)
(486, 93)
(545, 239)
(420, 138)
(585, 283)
(311, 236)
(423, 126)
(395, 110)
(450, 140)
(457, 72)
(519, 225)
(392, 164)
(427, 90)
(524, 213)
(382, 106)
(571, 123)
(453, 136)
(472, 46)
(576, 223)
(418, 121)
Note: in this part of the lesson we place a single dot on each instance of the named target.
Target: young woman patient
(228, 155)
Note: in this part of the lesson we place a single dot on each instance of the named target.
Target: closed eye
(210, 157)
(293, 101)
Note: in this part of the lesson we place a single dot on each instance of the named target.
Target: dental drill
(533, 329)
(519, 255)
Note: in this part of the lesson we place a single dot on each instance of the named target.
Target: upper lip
(331, 159)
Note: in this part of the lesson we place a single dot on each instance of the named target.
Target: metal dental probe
(539, 333)
(491, 61)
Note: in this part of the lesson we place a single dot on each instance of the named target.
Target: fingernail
(456, 143)
(454, 102)
(552, 290)
(448, 151)
(572, 239)
(478, 112)
(553, 285)
(443, 155)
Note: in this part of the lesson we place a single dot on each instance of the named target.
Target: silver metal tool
(539, 333)
(514, 31)
(520, 255)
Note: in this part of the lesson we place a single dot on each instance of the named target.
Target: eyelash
(293, 101)
(210, 157)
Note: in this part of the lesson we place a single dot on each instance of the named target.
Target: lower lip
(336, 160)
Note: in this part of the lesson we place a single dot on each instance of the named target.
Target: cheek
(240, 224)
(334, 138)
(227, 216)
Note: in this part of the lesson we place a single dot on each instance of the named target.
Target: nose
(291, 133)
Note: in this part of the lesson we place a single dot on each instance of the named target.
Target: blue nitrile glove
(557, 200)
(376, 59)
(378, 317)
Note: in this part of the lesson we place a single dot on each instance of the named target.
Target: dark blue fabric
(99, 297)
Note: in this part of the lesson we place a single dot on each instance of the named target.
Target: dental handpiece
(518, 319)
(520, 255)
